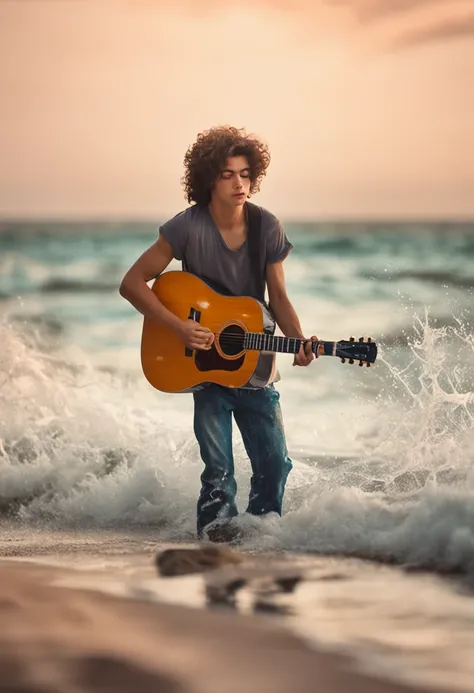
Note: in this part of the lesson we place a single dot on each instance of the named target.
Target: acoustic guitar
(244, 348)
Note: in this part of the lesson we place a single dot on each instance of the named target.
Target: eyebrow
(230, 170)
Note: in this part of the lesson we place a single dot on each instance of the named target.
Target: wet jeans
(258, 416)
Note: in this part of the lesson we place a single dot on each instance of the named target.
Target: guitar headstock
(364, 350)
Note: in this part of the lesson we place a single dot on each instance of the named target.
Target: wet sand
(70, 623)
(60, 639)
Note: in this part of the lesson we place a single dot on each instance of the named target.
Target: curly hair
(205, 159)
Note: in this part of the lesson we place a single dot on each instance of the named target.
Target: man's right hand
(195, 336)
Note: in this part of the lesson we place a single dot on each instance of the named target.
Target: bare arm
(284, 312)
(134, 289)
(134, 286)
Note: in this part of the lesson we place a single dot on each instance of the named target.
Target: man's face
(233, 185)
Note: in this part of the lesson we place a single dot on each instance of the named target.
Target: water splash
(410, 499)
(83, 446)
(90, 447)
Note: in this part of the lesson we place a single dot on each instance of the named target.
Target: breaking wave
(83, 446)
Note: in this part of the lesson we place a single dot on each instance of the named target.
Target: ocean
(383, 456)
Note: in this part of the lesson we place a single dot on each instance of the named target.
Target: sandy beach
(79, 613)
(62, 639)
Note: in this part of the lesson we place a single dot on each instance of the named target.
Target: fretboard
(256, 341)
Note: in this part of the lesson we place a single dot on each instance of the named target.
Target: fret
(260, 341)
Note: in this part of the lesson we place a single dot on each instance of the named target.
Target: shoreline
(62, 636)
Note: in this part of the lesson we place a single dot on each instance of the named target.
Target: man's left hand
(305, 356)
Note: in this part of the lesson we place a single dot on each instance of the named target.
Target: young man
(222, 169)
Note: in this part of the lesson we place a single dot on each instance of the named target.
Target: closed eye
(245, 173)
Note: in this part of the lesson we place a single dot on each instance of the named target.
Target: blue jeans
(257, 413)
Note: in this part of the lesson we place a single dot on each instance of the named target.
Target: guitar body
(170, 367)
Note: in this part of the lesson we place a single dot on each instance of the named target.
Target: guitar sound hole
(231, 340)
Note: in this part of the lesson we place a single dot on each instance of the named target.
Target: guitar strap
(256, 248)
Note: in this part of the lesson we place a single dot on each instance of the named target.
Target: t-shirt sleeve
(176, 232)
(278, 245)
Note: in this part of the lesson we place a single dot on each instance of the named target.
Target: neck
(256, 341)
(226, 216)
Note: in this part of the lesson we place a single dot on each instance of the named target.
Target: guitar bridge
(193, 315)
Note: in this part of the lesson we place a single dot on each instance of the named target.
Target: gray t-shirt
(198, 244)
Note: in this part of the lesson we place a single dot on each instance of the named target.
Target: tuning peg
(369, 339)
(361, 363)
(343, 360)
(352, 339)
(368, 364)
(351, 361)
(361, 339)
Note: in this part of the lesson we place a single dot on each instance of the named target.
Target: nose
(238, 182)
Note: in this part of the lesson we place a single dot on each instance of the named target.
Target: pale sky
(367, 105)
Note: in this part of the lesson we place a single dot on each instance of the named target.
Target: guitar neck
(255, 341)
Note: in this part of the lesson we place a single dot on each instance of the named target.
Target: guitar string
(259, 335)
(233, 335)
(229, 338)
(280, 338)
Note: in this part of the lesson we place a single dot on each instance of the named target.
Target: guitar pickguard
(211, 360)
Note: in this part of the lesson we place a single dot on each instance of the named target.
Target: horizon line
(345, 218)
